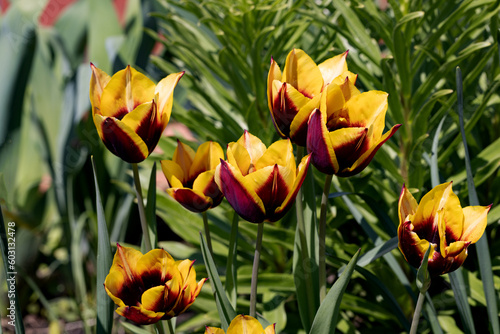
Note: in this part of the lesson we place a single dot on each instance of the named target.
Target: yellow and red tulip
(243, 324)
(152, 286)
(191, 176)
(439, 220)
(347, 130)
(301, 83)
(260, 183)
(130, 112)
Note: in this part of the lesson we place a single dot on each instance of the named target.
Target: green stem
(416, 315)
(255, 270)
(207, 232)
(140, 204)
(322, 239)
(231, 279)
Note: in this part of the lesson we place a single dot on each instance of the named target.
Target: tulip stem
(416, 315)
(207, 232)
(322, 238)
(255, 270)
(140, 204)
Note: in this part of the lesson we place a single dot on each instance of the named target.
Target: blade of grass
(483, 252)
(104, 259)
(226, 311)
(325, 320)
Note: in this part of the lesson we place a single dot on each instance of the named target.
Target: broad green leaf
(325, 320)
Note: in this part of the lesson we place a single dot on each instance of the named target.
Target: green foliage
(409, 49)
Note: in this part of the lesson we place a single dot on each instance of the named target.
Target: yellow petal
(475, 222)
(253, 145)
(207, 158)
(302, 73)
(120, 139)
(153, 299)
(244, 324)
(274, 74)
(298, 127)
(333, 102)
(165, 91)
(333, 67)
(184, 156)
(126, 90)
(238, 157)
(407, 204)
(366, 107)
(270, 329)
(156, 266)
(281, 153)
(214, 330)
(174, 173)
(98, 81)
(140, 315)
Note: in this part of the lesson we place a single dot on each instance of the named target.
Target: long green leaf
(325, 320)
(151, 208)
(231, 267)
(10, 274)
(104, 260)
(483, 252)
(226, 310)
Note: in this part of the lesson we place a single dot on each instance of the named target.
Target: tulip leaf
(226, 310)
(134, 329)
(325, 320)
(10, 273)
(423, 276)
(231, 266)
(151, 208)
(483, 252)
(376, 252)
(104, 260)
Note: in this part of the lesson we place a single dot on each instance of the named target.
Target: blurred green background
(409, 49)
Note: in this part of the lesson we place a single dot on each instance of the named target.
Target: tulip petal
(239, 157)
(190, 199)
(333, 102)
(412, 246)
(244, 324)
(98, 81)
(165, 91)
(287, 104)
(205, 183)
(302, 73)
(156, 267)
(281, 153)
(214, 330)
(126, 90)
(272, 184)
(184, 156)
(154, 299)
(366, 107)
(475, 222)
(254, 146)
(207, 157)
(274, 74)
(365, 159)
(348, 144)
(333, 67)
(120, 139)
(346, 83)
(318, 143)
(407, 204)
(143, 120)
(239, 193)
(139, 314)
(271, 329)
(174, 173)
(299, 127)
(292, 193)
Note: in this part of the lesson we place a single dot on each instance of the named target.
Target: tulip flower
(300, 84)
(191, 176)
(440, 221)
(346, 132)
(243, 324)
(152, 286)
(130, 112)
(259, 183)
